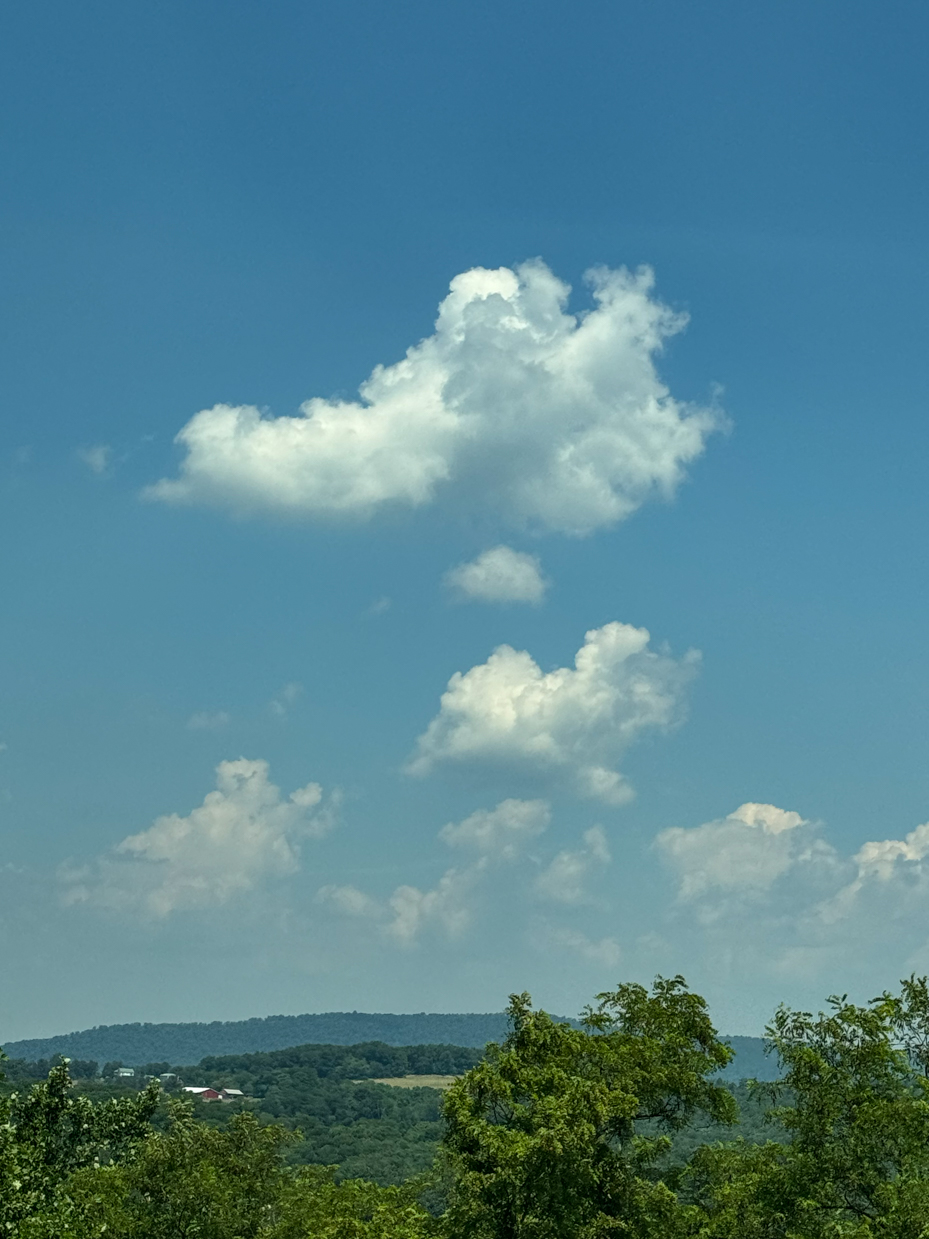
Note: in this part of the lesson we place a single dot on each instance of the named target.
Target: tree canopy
(560, 1131)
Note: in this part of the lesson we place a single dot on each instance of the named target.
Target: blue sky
(247, 209)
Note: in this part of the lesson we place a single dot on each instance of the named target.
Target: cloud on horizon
(550, 420)
(766, 879)
(568, 723)
(745, 852)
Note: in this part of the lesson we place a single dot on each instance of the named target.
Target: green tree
(854, 1101)
(558, 1132)
(199, 1182)
(192, 1180)
(49, 1133)
(314, 1206)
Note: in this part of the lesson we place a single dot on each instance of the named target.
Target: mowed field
(416, 1081)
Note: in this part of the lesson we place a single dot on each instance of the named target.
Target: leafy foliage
(19, 1071)
(49, 1134)
(854, 1103)
(369, 1130)
(618, 1126)
(325, 1091)
(206, 1183)
(545, 1136)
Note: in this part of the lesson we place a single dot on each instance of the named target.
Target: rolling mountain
(135, 1044)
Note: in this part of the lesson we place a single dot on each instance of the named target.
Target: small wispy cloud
(98, 458)
(445, 905)
(604, 951)
(497, 835)
(565, 879)
(281, 704)
(348, 900)
(206, 720)
(498, 575)
(503, 831)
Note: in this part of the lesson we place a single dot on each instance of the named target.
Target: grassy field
(440, 1082)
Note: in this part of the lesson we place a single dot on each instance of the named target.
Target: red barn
(204, 1094)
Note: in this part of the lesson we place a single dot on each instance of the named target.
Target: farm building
(214, 1094)
(204, 1094)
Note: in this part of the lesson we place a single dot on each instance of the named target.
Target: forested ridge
(618, 1126)
(136, 1044)
(188, 1043)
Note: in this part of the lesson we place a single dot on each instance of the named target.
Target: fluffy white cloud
(565, 879)
(550, 419)
(499, 575)
(891, 877)
(748, 850)
(886, 859)
(502, 831)
(446, 905)
(761, 850)
(566, 721)
(761, 894)
(244, 833)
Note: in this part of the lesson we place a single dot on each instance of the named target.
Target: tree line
(188, 1043)
(558, 1132)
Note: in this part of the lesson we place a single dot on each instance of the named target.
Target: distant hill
(135, 1044)
(750, 1062)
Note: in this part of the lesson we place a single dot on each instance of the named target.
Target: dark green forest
(620, 1124)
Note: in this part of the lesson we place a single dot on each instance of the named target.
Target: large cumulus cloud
(572, 722)
(549, 419)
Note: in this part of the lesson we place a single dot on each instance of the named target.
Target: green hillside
(135, 1044)
(328, 1093)
(189, 1043)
